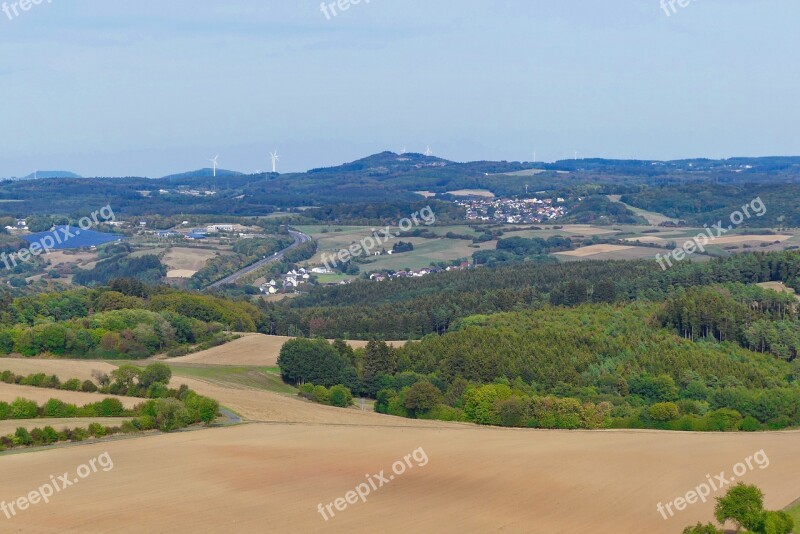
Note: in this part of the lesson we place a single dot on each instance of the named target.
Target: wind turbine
(402, 152)
(428, 151)
(534, 156)
(576, 155)
(215, 162)
(275, 159)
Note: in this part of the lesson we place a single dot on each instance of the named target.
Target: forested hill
(413, 307)
(387, 176)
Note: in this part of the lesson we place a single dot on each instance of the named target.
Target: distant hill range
(386, 185)
(40, 175)
(202, 173)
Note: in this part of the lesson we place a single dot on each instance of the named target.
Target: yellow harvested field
(63, 369)
(9, 427)
(180, 273)
(10, 392)
(780, 287)
(737, 239)
(272, 477)
(472, 193)
(187, 258)
(594, 249)
(250, 349)
(272, 473)
(61, 257)
(586, 229)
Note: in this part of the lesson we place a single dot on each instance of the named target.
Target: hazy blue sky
(151, 87)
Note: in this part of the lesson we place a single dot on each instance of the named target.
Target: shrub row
(337, 395)
(38, 437)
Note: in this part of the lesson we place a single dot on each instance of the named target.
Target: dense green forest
(593, 366)
(147, 269)
(706, 203)
(411, 308)
(126, 320)
(578, 345)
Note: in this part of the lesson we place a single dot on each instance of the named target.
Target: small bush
(321, 395)
(340, 396)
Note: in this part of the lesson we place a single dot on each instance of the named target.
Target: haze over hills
(202, 173)
(391, 164)
(46, 174)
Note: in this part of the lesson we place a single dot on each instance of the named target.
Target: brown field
(180, 273)
(271, 478)
(9, 393)
(594, 249)
(737, 239)
(472, 193)
(184, 262)
(586, 229)
(613, 252)
(61, 257)
(9, 427)
(780, 287)
(250, 349)
(270, 474)
(63, 369)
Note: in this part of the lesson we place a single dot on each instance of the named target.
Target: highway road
(299, 239)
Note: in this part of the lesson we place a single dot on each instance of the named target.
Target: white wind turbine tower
(215, 162)
(428, 151)
(275, 159)
(402, 152)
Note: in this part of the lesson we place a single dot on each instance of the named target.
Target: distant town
(513, 211)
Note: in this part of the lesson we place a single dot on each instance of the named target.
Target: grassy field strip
(263, 378)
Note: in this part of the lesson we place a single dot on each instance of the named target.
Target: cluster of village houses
(292, 280)
(513, 211)
(380, 277)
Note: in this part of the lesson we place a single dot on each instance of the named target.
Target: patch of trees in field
(147, 269)
(126, 320)
(598, 209)
(743, 505)
(168, 408)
